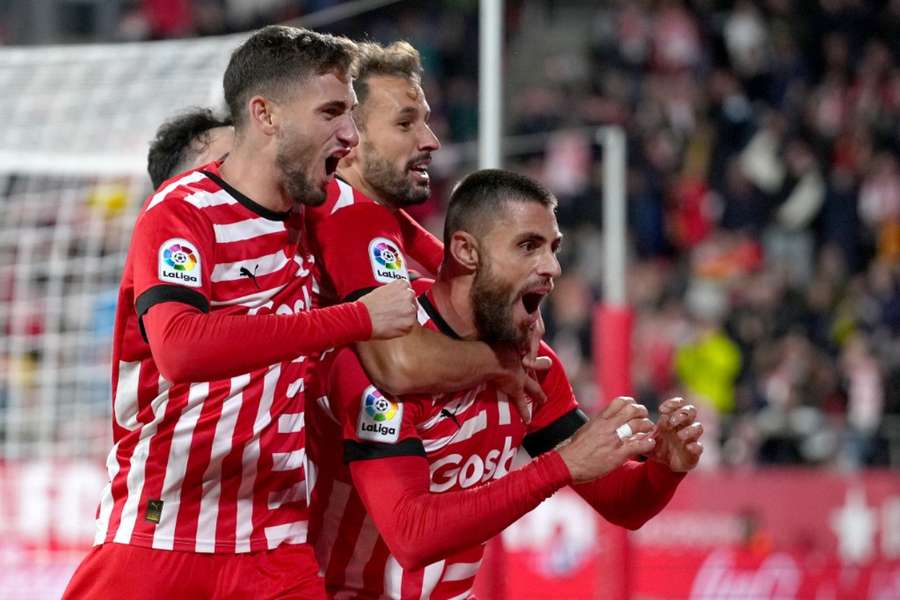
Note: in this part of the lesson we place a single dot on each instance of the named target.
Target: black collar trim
(247, 202)
(443, 325)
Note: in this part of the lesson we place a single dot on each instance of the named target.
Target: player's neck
(353, 177)
(255, 178)
(452, 300)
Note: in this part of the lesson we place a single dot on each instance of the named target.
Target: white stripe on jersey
(291, 494)
(291, 533)
(204, 199)
(461, 571)
(503, 408)
(250, 462)
(288, 461)
(468, 428)
(430, 578)
(393, 578)
(294, 387)
(106, 500)
(263, 265)
(422, 315)
(331, 522)
(245, 230)
(362, 553)
(161, 194)
(127, 394)
(135, 480)
(179, 451)
(250, 300)
(291, 422)
(212, 478)
(345, 199)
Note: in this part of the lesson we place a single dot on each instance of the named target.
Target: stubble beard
(492, 309)
(294, 156)
(393, 185)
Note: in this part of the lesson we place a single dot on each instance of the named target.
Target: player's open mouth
(331, 162)
(420, 168)
(531, 301)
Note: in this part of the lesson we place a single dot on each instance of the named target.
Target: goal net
(76, 125)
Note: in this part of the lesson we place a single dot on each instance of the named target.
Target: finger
(691, 433)
(618, 403)
(671, 405)
(534, 390)
(641, 426)
(629, 412)
(695, 448)
(638, 444)
(537, 363)
(683, 416)
(524, 407)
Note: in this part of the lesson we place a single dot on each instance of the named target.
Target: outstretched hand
(677, 434)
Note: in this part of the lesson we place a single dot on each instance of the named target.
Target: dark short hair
(479, 198)
(399, 59)
(172, 148)
(277, 57)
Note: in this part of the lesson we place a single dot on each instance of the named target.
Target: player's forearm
(189, 345)
(425, 361)
(632, 494)
(420, 527)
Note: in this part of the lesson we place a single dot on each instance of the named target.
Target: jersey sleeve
(421, 245)
(360, 247)
(559, 417)
(373, 424)
(172, 256)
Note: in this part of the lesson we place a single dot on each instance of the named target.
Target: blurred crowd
(763, 192)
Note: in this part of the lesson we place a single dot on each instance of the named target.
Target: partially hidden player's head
(391, 162)
(290, 94)
(501, 232)
(187, 141)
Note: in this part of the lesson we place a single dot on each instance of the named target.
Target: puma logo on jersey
(453, 469)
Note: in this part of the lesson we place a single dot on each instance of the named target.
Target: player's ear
(263, 114)
(464, 250)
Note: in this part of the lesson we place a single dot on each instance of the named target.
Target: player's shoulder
(340, 196)
(198, 189)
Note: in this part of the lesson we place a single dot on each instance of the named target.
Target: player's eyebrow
(409, 111)
(335, 105)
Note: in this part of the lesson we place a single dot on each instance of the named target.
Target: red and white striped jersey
(359, 243)
(211, 466)
(468, 439)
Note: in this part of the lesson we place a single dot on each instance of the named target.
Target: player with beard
(361, 235)
(207, 492)
(413, 487)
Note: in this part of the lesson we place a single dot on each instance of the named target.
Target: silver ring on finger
(624, 431)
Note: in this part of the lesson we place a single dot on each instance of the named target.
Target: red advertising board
(785, 534)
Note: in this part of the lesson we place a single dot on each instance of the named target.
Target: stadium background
(763, 202)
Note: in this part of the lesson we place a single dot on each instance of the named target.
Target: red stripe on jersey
(198, 462)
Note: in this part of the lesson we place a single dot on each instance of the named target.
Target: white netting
(76, 126)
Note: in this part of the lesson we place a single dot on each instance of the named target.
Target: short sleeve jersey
(468, 438)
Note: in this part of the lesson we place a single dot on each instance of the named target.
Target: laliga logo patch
(387, 261)
(380, 417)
(179, 262)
